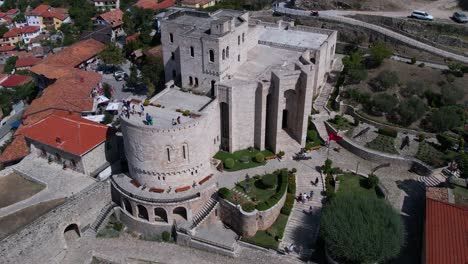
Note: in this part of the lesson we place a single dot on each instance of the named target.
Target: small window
(243, 37)
(224, 54)
(238, 40)
(213, 83)
(211, 55)
(238, 57)
(190, 80)
(184, 149)
(227, 52)
(192, 52)
(171, 37)
(196, 82)
(172, 56)
(168, 152)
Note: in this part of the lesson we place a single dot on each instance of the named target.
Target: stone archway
(180, 212)
(127, 206)
(142, 212)
(289, 111)
(160, 215)
(71, 233)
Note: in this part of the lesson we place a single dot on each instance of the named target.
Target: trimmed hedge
(259, 158)
(224, 193)
(248, 207)
(288, 204)
(291, 184)
(229, 163)
(282, 188)
(388, 132)
(372, 181)
(270, 181)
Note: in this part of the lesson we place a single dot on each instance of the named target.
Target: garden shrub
(378, 52)
(293, 170)
(270, 181)
(372, 181)
(450, 94)
(329, 186)
(388, 132)
(224, 193)
(383, 103)
(446, 142)
(288, 204)
(248, 207)
(349, 239)
(281, 153)
(146, 102)
(291, 184)
(311, 135)
(166, 236)
(358, 96)
(229, 163)
(462, 162)
(259, 158)
(408, 111)
(446, 118)
(384, 81)
(357, 121)
(327, 166)
(186, 113)
(413, 88)
(413, 60)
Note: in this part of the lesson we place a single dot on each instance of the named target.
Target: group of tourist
(304, 197)
(130, 108)
(176, 121)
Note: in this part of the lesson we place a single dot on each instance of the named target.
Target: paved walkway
(59, 183)
(303, 224)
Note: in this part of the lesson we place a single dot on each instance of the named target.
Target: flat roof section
(301, 39)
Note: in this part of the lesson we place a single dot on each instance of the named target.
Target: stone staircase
(204, 212)
(438, 177)
(92, 230)
(303, 226)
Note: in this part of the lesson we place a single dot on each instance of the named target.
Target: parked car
(314, 13)
(460, 17)
(120, 75)
(421, 15)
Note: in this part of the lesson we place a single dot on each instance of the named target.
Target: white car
(421, 15)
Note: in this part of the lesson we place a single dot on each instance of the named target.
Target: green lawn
(340, 123)
(351, 183)
(461, 195)
(266, 238)
(383, 143)
(238, 155)
(429, 154)
(256, 193)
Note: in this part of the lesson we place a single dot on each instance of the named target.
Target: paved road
(5, 129)
(337, 17)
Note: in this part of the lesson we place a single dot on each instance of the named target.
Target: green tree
(19, 18)
(112, 55)
(413, 88)
(384, 81)
(359, 229)
(7, 5)
(353, 67)
(383, 103)
(106, 88)
(450, 94)
(462, 161)
(378, 52)
(133, 80)
(446, 118)
(408, 111)
(153, 69)
(10, 64)
(3, 30)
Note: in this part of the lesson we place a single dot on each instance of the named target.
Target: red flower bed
(136, 183)
(156, 190)
(205, 179)
(271, 157)
(182, 189)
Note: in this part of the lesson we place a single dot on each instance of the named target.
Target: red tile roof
(70, 92)
(22, 30)
(155, 4)
(72, 56)
(48, 11)
(194, 2)
(132, 37)
(7, 48)
(12, 11)
(446, 233)
(15, 80)
(113, 18)
(68, 132)
(27, 62)
(17, 149)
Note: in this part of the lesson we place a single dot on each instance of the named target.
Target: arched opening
(160, 215)
(238, 40)
(243, 37)
(192, 51)
(224, 54)
(211, 55)
(173, 56)
(227, 52)
(71, 233)
(284, 124)
(171, 37)
(127, 206)
(142, 212)
(196, 82)
(238, 57)
(180, 212)
(289, 112)
(190, 80)
(224, 126)
(268, 122)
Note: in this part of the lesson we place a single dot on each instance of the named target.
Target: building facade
(106, 5)
(232, 83)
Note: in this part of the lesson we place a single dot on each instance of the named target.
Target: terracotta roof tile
(194, 2)
(446, 233)
(17, 149)
(15, 80)
(72, 56)
(27, 62)
(21, 30)
(132, 37)
(7, 48)
(48, 11)
(68, 132)
(113, 18)
(12, 11)
(155, 4)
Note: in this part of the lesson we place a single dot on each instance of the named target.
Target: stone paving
(59, 183)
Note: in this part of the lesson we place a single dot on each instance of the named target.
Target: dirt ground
(408, 72)
(14, 188)
(13, 222)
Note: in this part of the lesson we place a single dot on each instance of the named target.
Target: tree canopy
(378, 52)
(360, 229)
(112, 55)
(446, 118)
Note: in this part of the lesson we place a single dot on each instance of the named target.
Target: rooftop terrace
(295, 38)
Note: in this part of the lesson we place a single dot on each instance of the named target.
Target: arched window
(243, 37)
(180, 212)
(127, 206)
(192, 51)
(171, 37)
(142, 212)
(238, 40)
(184, 151)
(196, 82)
(238, 57)
(168, 152)
(227, 52)
(212, 55)
(160, 215)
(224, 54)
(190, 80)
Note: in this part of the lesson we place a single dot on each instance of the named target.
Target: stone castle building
(232, 83)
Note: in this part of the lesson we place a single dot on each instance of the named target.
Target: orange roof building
(155, 4)
(446, 233)
(112, 18)
(26, 63)
(15, 80)
(46, 16)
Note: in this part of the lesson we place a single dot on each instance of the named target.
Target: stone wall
(248, 223)
(43, 240)
(410, 163)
